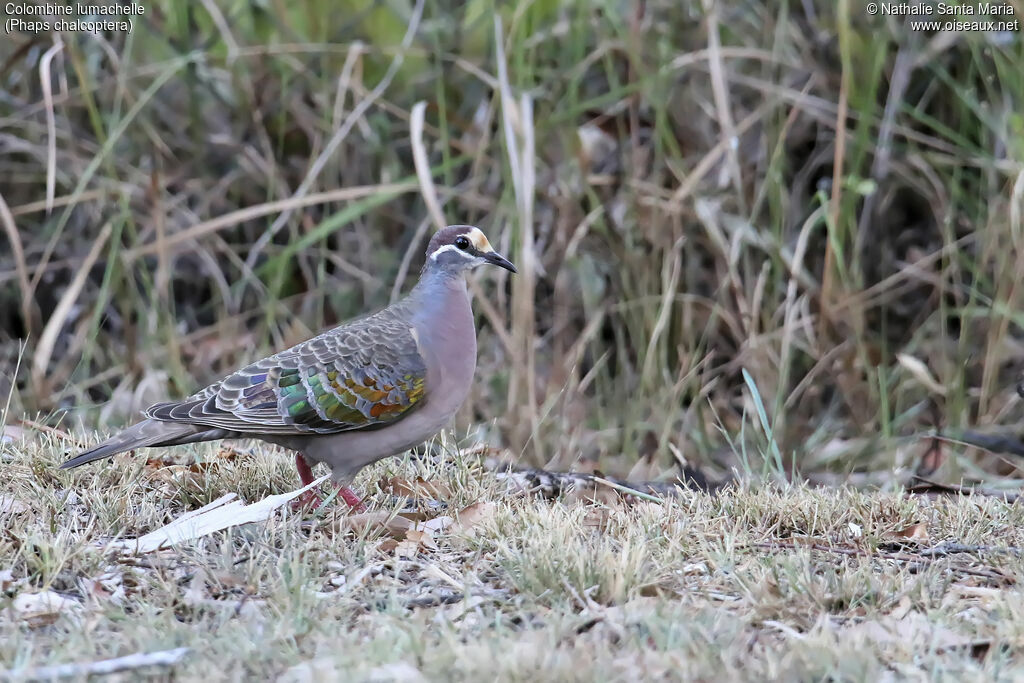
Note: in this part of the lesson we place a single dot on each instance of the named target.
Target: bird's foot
(308, 500)
(312, 501)
(354, 501)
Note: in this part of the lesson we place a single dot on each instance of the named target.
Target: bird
(368, 389)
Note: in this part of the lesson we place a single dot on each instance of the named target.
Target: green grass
(755, 584)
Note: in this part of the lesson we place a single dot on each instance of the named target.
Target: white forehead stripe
(479, 240)
(450, 247)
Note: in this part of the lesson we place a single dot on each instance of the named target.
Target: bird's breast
(446, 338)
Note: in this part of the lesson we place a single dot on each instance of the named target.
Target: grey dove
(368, 389)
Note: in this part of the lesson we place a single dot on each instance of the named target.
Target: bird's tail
(145, 433)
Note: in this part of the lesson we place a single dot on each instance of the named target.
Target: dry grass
(795, 191)
(791, 583)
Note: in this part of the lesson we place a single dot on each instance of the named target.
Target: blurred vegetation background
(751, 236)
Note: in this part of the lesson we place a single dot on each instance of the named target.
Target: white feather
(450, 247)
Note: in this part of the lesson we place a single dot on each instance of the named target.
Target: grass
(783, 197)
(794, 583)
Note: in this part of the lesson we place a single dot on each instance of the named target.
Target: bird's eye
(462, 242)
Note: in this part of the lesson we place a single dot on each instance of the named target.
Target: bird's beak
(496, 259)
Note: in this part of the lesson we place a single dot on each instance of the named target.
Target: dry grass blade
(518, 127)
(249, 213)
(419, 156)
(720, 90)
(19, 261)
(41, 205)
(51, 123)
(707, 162)
(415, 246)
(919, 370)
(354, 116)
(671, 272)
(44, 349)
(225, 30)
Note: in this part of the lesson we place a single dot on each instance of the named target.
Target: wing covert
(366, 373)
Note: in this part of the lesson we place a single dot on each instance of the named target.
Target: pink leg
(305, 471)
(350, 497)
(309, 499)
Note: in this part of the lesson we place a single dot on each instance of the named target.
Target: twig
(435, 600)
(627, 489)
(103, 667)
(40, 427)
(954, 548)
(552, 484)
(930, 486)
(897, 557)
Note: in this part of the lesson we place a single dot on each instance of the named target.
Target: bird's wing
(366, 373)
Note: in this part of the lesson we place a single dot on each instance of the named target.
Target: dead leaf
(915, 532)
(932, 458)
(472, 516)
(195, 594)
(437, 524)
(902, 609)
(230, 452)
(416, 539)
(694, 568)
(388, 545)
(597, 518)
(42, 608)
(644, 469)
(422, 537)
(192, 474)
(313, 671)
(590, 493)
(407, 550)
(395, 525)
(108, 587)
(175, 475)
(417, 488)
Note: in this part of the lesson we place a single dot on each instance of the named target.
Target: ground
(751, 582)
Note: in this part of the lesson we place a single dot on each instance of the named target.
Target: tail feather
(145, 433)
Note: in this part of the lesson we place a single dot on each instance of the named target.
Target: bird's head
(459, 248)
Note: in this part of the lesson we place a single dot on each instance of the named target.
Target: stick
(898, 557)
(100, 668)
(626, 489)
(929, 486)
(551, 484)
